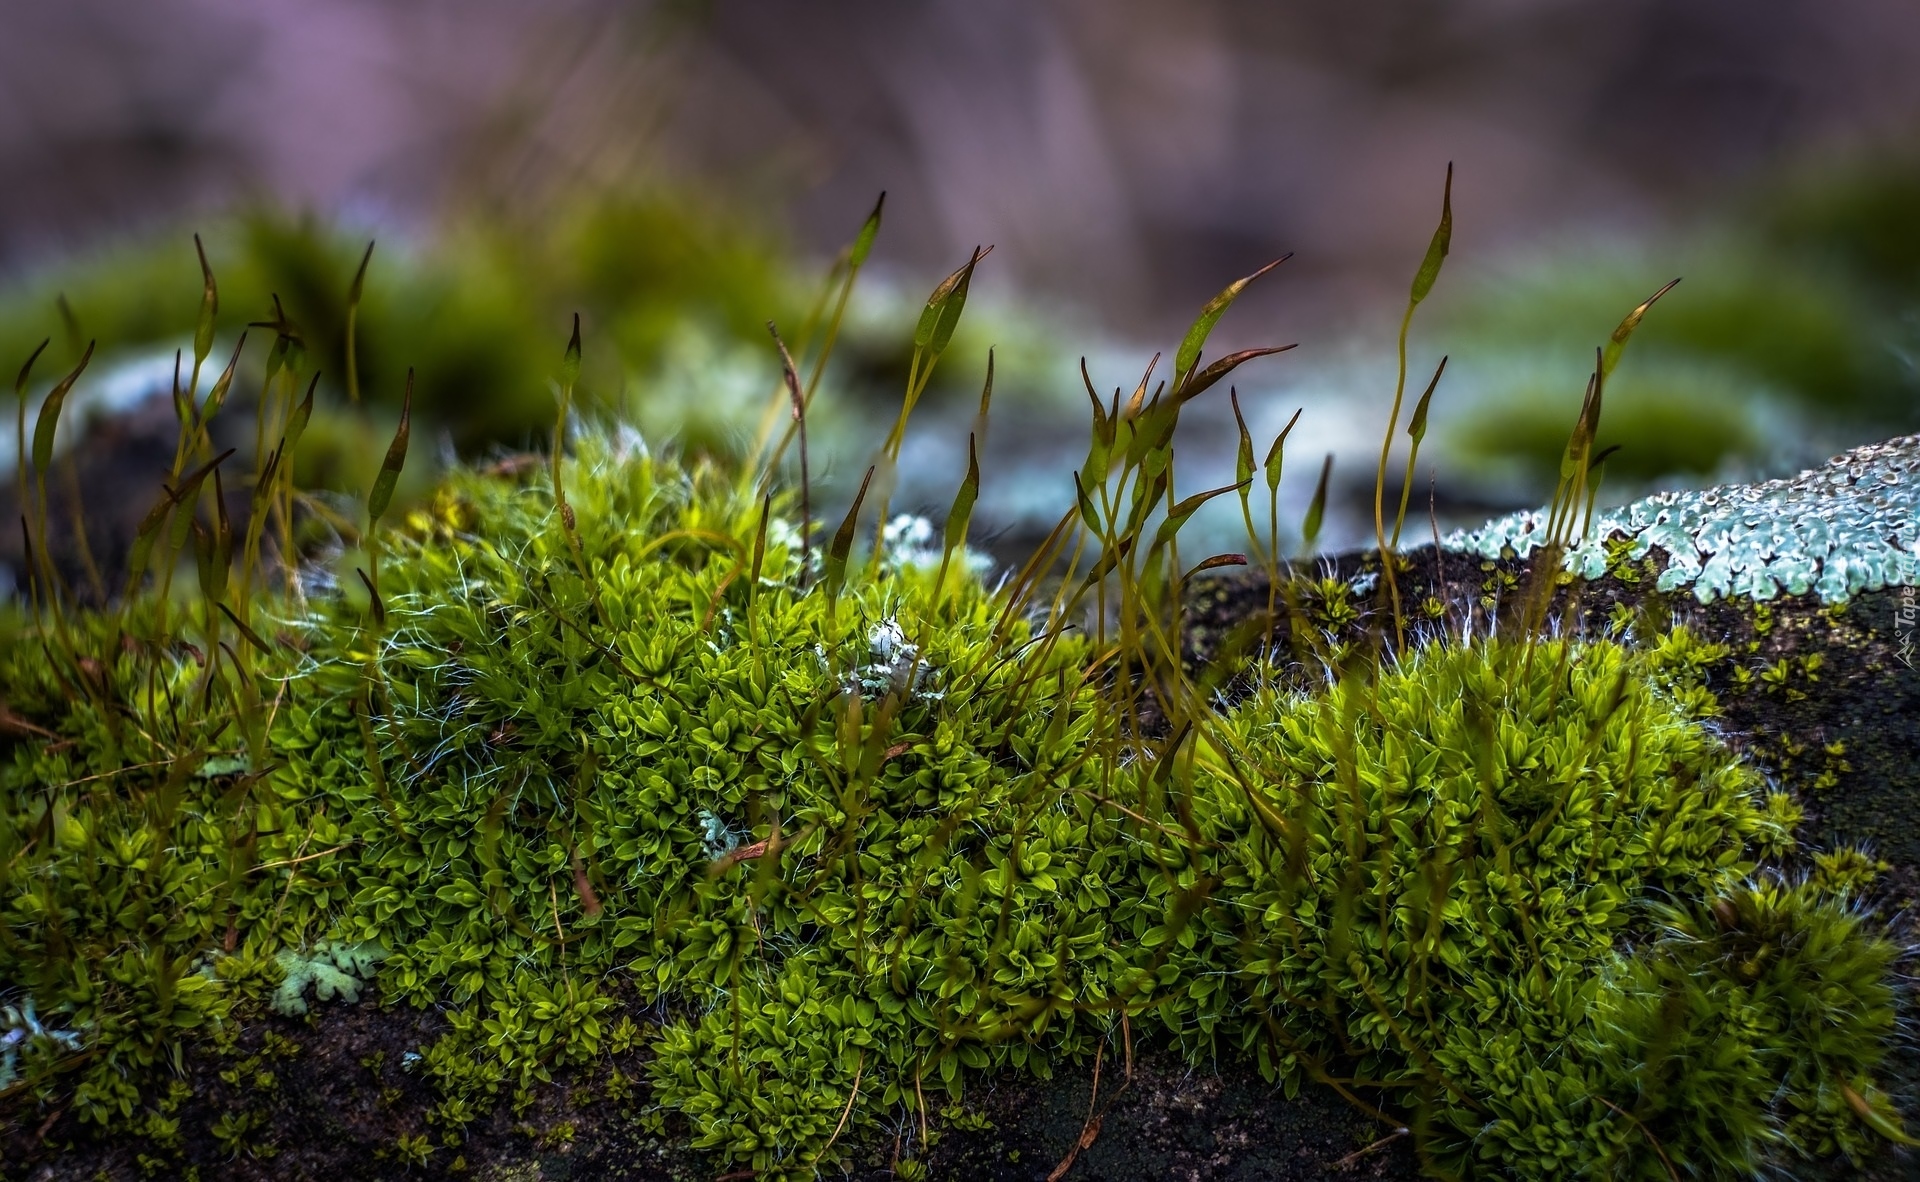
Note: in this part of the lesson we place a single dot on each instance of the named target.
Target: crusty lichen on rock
(1848, 526)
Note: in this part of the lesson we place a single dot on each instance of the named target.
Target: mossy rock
(646, 727)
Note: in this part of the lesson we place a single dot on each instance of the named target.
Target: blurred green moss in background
(674, 289)
(475, 313)
(1794, 334)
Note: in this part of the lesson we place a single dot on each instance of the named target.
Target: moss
(586, 792)
(1455, 858)
(576, 765)
(661, 274)
(620, 737)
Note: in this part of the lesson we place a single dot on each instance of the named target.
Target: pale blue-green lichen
(19, 1028)
(1849, 526)
(334, 971)
(719, 840)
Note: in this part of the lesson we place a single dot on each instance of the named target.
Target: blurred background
(680, 172)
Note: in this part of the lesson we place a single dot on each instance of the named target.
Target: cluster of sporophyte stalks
(616, 734)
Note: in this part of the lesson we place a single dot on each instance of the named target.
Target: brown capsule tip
(1723, 910)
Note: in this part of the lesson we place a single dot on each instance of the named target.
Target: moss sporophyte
(630, 734)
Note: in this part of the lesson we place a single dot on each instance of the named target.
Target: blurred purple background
(1124, 155)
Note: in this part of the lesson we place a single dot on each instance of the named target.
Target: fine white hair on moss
(1848, 526)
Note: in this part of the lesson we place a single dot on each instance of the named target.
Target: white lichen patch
(718, 838)
(909, 542)
(894, 665)
(1849, 526)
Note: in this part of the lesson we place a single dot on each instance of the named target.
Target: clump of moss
(1746, 1034)
(665, 760)
(123, 863)
(1448, 867)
